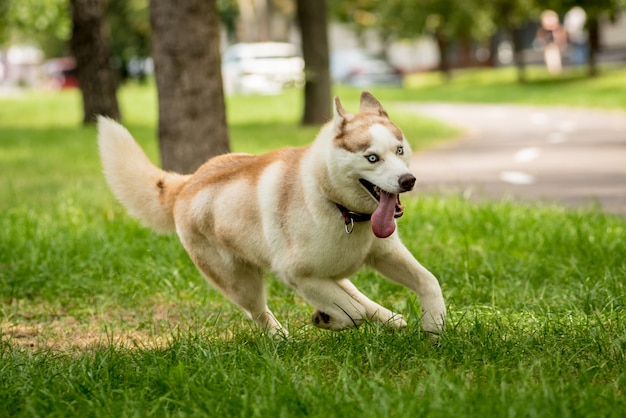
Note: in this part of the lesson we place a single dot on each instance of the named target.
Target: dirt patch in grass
(48, 327)
(67, 334)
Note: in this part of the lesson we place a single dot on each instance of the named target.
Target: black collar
(351, 217)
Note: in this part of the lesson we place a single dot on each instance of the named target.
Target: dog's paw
(321, 320)
(434, 328)
(396, 321)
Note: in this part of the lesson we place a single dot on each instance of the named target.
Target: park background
(102, 317)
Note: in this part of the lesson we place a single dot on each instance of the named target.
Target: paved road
(573, 156)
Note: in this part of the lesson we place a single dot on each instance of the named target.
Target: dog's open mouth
(389, 207)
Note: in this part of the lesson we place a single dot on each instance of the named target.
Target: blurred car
(357, 67)
(61, 73)
(261, 68)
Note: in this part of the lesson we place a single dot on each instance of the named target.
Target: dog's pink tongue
(383, 223)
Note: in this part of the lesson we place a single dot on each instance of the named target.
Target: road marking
(567, 126)
(538, 118)
(516, 177)
(556, 137)
(527, 154)
(496, 113)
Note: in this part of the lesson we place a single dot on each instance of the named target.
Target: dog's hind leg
(374, 311)
(243, 285)
(336, 309)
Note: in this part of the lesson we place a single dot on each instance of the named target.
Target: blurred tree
(5, 9)
(228, 11)
(360, 14)
(313, 27)
(451, 20)
(46, 23)
(256, 20)
(445, 20)
(130, 34)
(512, 15)
(90, 45)
(186, 53)
(262, 20)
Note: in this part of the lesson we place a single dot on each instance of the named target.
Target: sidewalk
(573, 156)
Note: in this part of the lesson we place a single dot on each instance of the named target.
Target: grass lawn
(572, 88)
(101, 317)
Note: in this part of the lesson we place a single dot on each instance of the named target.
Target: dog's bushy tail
(147, 191)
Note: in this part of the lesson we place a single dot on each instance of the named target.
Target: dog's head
(372, 159)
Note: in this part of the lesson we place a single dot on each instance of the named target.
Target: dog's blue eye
(400, 150)
(372, 158)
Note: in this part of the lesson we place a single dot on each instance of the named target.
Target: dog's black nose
(406, 181)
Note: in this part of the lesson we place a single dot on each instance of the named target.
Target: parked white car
(356, 67)
(261, 68)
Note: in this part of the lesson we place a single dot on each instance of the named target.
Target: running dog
(311, 215)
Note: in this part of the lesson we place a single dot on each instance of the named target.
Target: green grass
(101, 317)
(572, 88)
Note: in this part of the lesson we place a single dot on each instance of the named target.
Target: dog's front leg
(394, 261)
(336, 308)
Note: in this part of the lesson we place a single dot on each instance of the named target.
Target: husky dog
(311, 215)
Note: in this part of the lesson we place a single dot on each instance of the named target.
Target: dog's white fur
(239, 215)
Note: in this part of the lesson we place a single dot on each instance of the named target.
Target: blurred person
(554, 38)
(574, 22)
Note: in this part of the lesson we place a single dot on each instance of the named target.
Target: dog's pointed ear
(341, 115)
(370, 104)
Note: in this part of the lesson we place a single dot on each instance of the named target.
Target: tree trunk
(186, 53)
(594, 45)
(518, 53)
(444, 64)
(91, 46)
(317, 100)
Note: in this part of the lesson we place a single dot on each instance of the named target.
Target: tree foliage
(130, 29)
(445, 20)
(452, 20)
(46, 23)
(411, 18)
